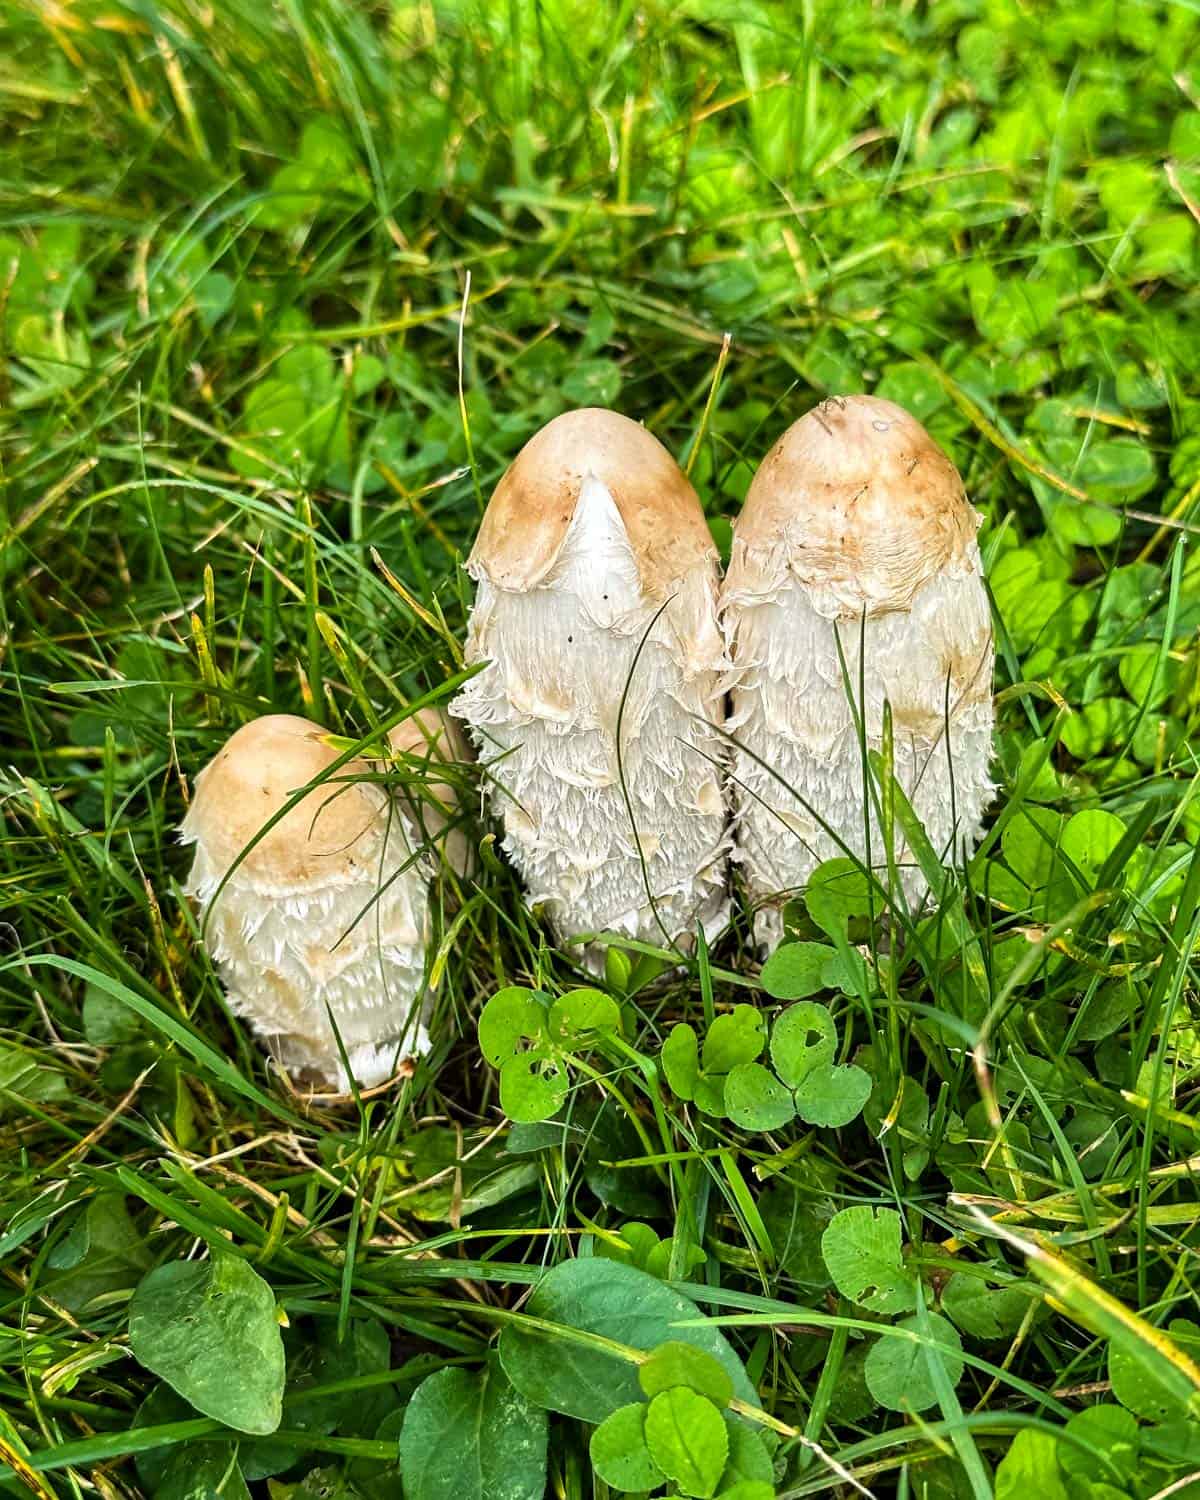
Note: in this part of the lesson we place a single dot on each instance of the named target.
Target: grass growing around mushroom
(933, 1234)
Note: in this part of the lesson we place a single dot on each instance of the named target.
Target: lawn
(283, 289)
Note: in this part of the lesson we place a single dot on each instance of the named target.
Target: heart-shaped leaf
(619, 1453)
(756, 1100)
(733, 1038)
(796, 970)
(862, 1252)
(469, 1436)
(837, 890)
(620, 1303)
(686, 1436)
(533, 1086)
(832, 1096)
(680, 1058)
(675, 1363)
(898, 1369)
(804, 1037)
(511, 1016)
(209, 1329)
(576, 1014)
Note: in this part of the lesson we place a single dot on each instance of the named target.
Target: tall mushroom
(596, 611)
(855, 578)
(325, 913)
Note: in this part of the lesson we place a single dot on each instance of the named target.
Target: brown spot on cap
(526, 521)
(858, 497)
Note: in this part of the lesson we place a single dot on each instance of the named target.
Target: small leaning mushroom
(855, 532)
(327, 913)
(592, 541)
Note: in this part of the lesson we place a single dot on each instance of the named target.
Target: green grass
(234, 241)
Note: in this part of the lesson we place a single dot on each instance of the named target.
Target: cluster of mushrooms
(641, 723)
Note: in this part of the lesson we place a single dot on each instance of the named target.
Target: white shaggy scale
(544, 714)
(793, 709)
(286, 952)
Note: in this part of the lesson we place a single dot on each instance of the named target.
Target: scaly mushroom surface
(327, 912)
(855, 577)
(593, 542)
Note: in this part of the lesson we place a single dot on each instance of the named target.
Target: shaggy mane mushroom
(594, 540)
(317, 914)
(855, 562)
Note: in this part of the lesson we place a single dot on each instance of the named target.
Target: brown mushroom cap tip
(858, 490)
(531, 509)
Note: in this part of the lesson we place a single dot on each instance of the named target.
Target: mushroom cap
(255, 774)
(527, 518)
(429, 732)
(857, 498)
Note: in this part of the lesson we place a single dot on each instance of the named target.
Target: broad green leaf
(511, 1016)
(675, 1363)
(637, 1242)
(796, 970)
(581, 1012)
(161, 1406)
(1178, 1441)
(837, 891)
(833, 1096)
(862, 1250)
(621, 1304)
(106, 1022)
(1030, 844)
(804, 1037)
(710, 1094)
(983, 1311)
(468, 1435)
(734, 1038)
(361, 1349)
(104, 1252)
(202, 1471)
(1145, 678)
(907, 1115)
(533, 1087)
(619, 1453)
(756, 1100)
(593, 382)
(1100, 724)
(794, 1225)
(681, 1061)
(897, 1369)
(912, 386)
(849, 972)
(1116, 470)
(1010, 312)
(686, 1436)
(1030, 1467)
(749, 1458)
(1143, 1374)
(27, 1076)
(1089, 838)
(210, 1330)
(658, 1262)
(1114, 1432)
